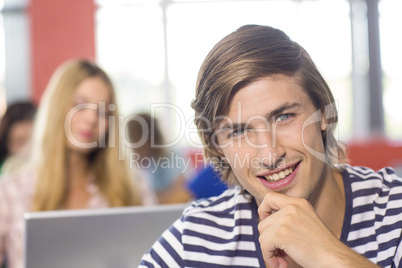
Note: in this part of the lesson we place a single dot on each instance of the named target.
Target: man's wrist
(341, 256)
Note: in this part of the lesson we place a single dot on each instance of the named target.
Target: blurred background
(153, 49)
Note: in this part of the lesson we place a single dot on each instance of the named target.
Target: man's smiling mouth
(279, 175)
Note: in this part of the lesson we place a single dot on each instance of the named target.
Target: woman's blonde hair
(49, 152)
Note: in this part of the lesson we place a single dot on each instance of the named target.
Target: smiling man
(266, 118)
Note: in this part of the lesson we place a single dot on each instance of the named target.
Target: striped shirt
(222, 231)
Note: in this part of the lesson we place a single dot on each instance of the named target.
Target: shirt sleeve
(397, 262)
(168, 250)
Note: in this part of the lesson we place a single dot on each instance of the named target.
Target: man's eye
(238, 132)
(282, 117)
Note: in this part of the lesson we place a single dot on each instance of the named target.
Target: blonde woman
(75, 156)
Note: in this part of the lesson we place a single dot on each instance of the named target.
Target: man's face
(264, 138)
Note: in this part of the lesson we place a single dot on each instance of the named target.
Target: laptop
(100, 238)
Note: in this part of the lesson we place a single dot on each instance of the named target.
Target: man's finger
(273, 202)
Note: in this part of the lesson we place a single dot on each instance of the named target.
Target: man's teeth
(280, 175)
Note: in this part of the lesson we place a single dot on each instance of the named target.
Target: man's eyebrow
(283, 108)
(279, 110)
(228, 125)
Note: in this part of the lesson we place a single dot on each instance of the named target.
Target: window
(14, 52)
(153, 50)
(391, 57)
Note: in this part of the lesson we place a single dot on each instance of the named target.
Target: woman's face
(87, 121)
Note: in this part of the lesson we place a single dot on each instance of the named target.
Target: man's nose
(270, 149)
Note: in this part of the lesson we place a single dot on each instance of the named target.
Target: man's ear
(323, 123)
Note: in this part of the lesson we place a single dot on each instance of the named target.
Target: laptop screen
(115, 237)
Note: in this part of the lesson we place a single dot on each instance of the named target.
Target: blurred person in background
(171, 181)
(15, 128)
(74, 160)
(164, 172)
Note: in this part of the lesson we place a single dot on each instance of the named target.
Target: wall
(60, 30)
(376, 154)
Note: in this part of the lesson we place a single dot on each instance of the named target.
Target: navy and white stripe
(222, 231)
(219, 231)
(373, 216)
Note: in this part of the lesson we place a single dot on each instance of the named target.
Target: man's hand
(290, 225)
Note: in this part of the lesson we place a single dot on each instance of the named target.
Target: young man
(267, 117)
